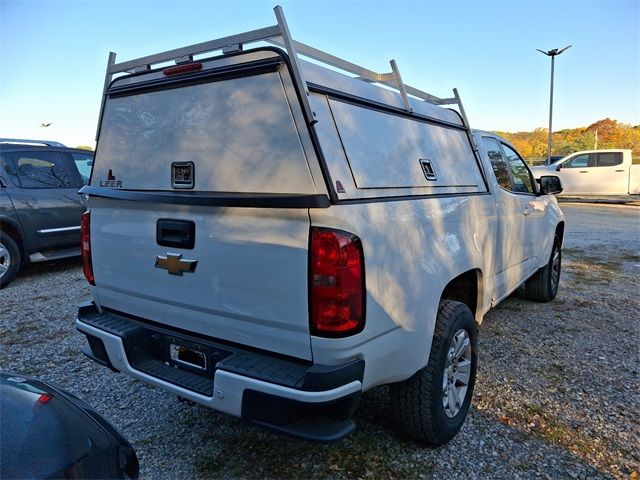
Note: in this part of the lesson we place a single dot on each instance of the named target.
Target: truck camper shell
(336, 109)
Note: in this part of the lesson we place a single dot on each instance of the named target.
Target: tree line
(604, 133)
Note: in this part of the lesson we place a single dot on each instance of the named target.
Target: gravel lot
(556, 396)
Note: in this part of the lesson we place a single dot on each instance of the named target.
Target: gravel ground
(556, 396)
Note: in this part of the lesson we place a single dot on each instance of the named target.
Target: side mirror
(558, 167)
(550, 185)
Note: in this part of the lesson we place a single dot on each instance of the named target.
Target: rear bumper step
(289, 395)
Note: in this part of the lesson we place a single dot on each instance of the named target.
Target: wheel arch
(468, 289)
(560, 231)
(13, 230)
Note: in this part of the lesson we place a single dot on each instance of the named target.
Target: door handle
(584, 171)
(619, 170)
(175, 233)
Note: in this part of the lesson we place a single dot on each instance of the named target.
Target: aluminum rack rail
(48, 143)
(280, 36)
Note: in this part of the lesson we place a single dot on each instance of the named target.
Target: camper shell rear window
(237, 130)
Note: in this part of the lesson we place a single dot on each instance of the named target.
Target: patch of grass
(572, 252)
(71, 352)
(630, 257)
(544, 425)
(360, 455)
(591, 272)
(151, 440)
(533, 408)
(517, 307)
(33, 370)
(23, 333)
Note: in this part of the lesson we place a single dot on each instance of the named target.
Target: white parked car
(595, 172)
(270, 238)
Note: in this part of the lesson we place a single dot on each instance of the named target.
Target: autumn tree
(609, 133)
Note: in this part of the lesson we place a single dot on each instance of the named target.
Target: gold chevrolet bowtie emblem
(174, 264)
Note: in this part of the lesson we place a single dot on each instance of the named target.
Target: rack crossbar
(387, 79)
(204, 47)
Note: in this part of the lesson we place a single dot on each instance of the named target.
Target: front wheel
(432, 405)
(543, 285)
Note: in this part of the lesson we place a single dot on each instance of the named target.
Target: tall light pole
(551, 53)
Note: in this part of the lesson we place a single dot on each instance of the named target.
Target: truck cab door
(520, 213)
(608, 175)
(47, 204)
(575, 174)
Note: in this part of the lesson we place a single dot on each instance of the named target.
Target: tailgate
(249, 284)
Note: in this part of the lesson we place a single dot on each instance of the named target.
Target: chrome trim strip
(60, 230)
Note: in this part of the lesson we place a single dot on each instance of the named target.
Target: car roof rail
(47, 143)
(279, 35)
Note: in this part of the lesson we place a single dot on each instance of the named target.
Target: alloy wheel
(457, 373)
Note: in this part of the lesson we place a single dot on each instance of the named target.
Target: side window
(498, 163)
(5, 162)
(580, 161)
(522, 181)
(41, 170)
(84, 162)
(608, 159)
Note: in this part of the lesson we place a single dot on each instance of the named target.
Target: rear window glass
(84, 162)
(609, 159)
(238, 133)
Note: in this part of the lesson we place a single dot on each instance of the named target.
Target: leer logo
(175, 265)
(111, 181)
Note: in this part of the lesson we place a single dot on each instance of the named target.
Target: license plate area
(187, 357)
(148, 347)
(183, 354)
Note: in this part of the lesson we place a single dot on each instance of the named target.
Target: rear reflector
(44, 398)
(85, 247)
(336, 283)
(180, 69)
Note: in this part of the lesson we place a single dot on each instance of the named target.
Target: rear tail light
(336, 283)
(85, 247)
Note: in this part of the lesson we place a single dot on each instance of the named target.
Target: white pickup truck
(270, 237)
(595, 172)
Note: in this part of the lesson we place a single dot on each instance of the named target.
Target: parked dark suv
(40, 207)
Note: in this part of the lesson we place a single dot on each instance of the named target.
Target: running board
(54, 255)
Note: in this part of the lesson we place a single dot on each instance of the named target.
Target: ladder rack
(280, 36)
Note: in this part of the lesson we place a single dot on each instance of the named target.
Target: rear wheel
(432, 405)
(543, 286)
(9, 259)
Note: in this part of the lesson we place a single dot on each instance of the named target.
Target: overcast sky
(53, 53)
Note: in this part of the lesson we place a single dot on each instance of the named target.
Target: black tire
(418, 402)
(9, 259)
(543, 285)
